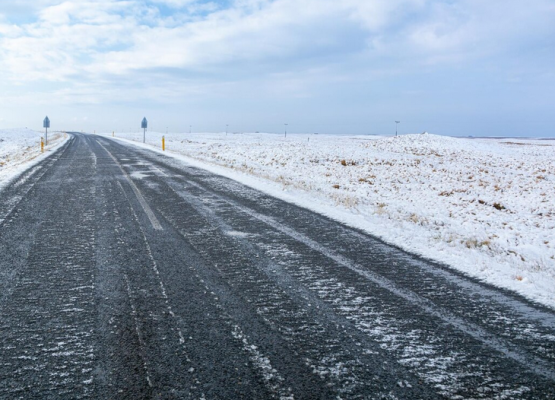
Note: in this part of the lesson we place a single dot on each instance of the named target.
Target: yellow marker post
(41, 144)
(163, 143)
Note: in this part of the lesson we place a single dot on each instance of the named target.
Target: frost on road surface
(128, 274)
(484, 206)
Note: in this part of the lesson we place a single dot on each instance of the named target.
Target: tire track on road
(523, 354)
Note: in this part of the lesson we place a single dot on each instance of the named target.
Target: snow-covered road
(128, 274)
(484, 206)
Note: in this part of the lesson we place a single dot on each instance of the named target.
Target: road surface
(125, 274)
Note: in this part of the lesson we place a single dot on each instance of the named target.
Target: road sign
(144, 125)
(46, 125)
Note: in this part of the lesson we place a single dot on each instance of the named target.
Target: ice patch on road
(237, 234)
(139, 175)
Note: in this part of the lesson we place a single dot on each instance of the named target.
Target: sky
(448, 67)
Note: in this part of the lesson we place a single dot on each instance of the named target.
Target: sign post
(46, 125)
(144, 125)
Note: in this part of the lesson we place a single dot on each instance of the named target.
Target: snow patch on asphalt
(274, 381)
(237, 234)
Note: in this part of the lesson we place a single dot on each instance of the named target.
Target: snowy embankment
(20, 148)
(486, 207)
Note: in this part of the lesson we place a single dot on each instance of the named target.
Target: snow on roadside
(486, 207)
(20, 149)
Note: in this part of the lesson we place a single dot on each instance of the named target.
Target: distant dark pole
(190, 126)
(396, 124)
(285, 130)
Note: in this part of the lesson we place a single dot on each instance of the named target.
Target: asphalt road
(125, 274)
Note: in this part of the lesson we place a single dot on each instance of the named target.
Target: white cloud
(176, 3)
(465, 31)
(104, 41)
(376, 15)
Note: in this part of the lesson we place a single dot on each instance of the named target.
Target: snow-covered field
(486, 207)
(20, 148)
